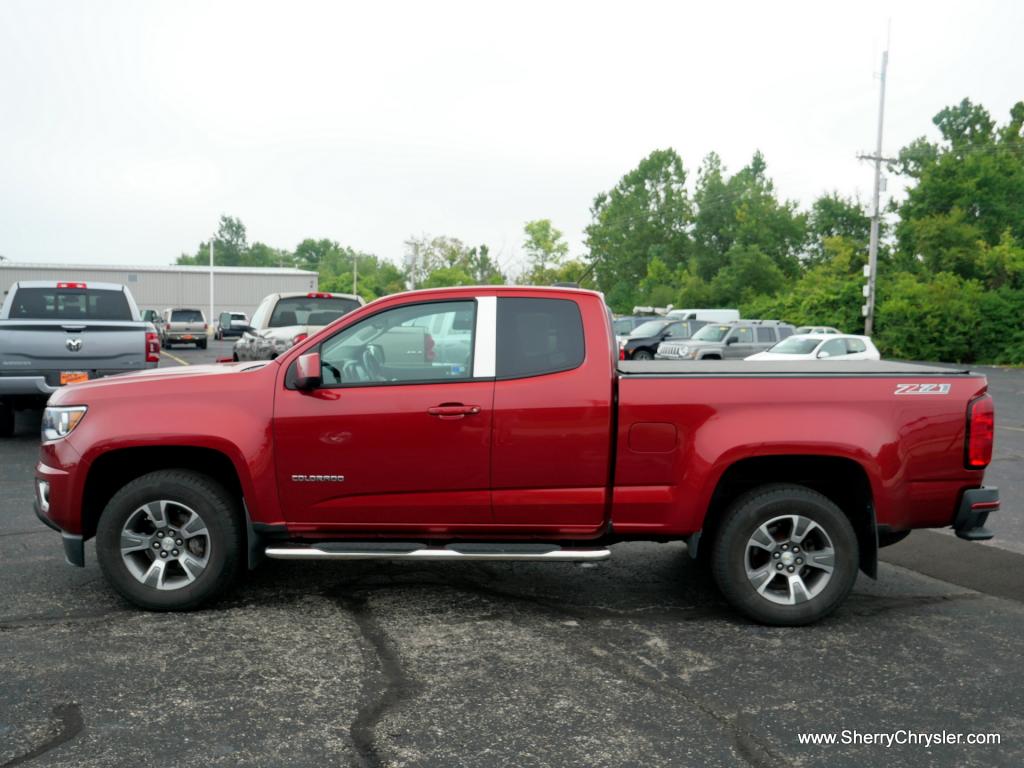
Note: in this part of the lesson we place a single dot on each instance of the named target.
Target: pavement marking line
(175, 358)
(1007, 426)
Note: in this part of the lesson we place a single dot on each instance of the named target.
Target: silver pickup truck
(58, 333)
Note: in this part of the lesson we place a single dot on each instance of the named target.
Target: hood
(778, 356)
(74, 392)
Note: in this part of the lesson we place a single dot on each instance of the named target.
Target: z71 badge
(922, 389)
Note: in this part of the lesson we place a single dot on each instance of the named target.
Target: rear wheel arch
(843, 481)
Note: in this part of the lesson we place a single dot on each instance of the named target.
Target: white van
(708, 315)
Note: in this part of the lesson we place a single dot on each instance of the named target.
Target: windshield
(794, 345)
(711, 333)
(650, 328)
(622, 326)
(69, 304)
(308, 310)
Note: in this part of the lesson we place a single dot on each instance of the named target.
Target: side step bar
(404, 551)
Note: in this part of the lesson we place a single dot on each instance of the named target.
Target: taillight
(429, 353)
(981, 429)
(205, 327)
(71, 285)
(622, 353)
(152, 348)
(300, 337)
(167, 327)
(318, 295)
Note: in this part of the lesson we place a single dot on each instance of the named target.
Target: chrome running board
(404, 551)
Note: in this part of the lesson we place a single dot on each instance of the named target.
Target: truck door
(550, 459)
(391, 439)
(739, 343)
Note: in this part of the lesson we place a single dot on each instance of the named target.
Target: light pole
(211, 283)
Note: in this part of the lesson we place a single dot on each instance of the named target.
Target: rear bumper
(26, 385)
(973, 513)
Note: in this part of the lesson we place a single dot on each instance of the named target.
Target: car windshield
(69, 304)
(186, 316)
(711, 333)
(650, 328)
(622, 326)
(310, 310)
(795, 345)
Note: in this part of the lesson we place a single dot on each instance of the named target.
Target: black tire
(234, 356)
(201, 344)
(6, 420)
(730, 555)
(643, 354)
(219, 513)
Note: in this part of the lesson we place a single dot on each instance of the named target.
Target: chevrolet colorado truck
(57, 333)
(533, 443)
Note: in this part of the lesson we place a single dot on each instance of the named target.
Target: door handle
(453, 410)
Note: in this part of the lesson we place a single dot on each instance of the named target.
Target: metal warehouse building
(238, 289)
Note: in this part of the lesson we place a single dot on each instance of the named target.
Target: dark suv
(643, 342)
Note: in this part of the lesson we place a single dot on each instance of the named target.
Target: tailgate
(48, 345)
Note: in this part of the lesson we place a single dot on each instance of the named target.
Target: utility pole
(210, 319)
(870, 272)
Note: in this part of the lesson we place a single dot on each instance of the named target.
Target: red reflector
(981, 427)
(152, 348)
(71, 285)
(318, 295)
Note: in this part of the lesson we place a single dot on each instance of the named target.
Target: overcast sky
(128, 128)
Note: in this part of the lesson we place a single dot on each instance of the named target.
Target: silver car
(284, 319)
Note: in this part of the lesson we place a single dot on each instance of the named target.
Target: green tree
(645, 216)
(831, 216)
(545, 247)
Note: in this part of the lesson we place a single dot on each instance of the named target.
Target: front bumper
(74, 545)
(973, 513)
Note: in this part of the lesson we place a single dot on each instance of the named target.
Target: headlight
(59, 422)
(683, 351)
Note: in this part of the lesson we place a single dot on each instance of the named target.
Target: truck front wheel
(785, 555)
(170, 540)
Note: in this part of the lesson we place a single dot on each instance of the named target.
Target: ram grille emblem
(73, 345)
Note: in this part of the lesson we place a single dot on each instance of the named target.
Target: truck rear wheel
(6, 420)
(170, 540)
(785, 555)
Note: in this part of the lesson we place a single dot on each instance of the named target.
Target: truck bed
(784, 368)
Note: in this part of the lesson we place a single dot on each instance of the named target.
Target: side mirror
(731, 340)
(307, 371)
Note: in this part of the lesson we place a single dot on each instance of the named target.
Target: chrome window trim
(486, 342)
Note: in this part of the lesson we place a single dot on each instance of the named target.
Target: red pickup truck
(511, 433)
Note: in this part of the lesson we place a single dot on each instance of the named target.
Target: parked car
(284, 319)
(804, 329)
(58, 333)
(623, 326)
(152, 316)
(542, 448)
(821, 346)
(710, 315)
(643, 343)
(184, 326)
(727, 341)
(230, 324)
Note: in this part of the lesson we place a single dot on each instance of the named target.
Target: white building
(237, 289)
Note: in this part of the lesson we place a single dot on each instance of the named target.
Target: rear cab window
(310, 310)
(537, 337)
(186, 316)
(69, 304)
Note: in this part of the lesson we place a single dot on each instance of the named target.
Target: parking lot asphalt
(636, 661)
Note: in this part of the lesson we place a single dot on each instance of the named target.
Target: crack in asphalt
(396, 687)
(71, 724)
(29, 622)
(747, 745)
